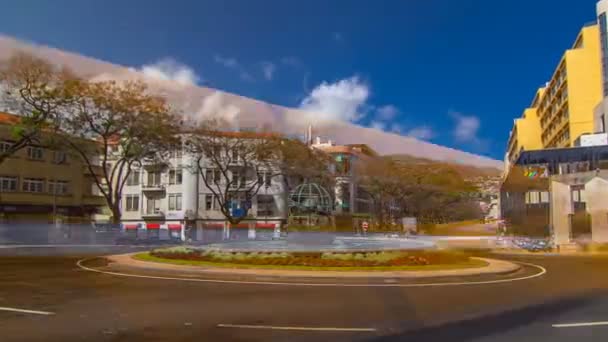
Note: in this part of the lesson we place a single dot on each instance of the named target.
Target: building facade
(170, 198)
(563, 110)
(39, 183)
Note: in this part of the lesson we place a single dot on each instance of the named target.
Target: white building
(170, 198)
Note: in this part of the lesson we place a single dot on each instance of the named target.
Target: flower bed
(315, 259)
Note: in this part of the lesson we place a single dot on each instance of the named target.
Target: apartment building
(526, 131)
(170, 198)
(563, 110)
(41, 183)
(566, 107)
(350, 198)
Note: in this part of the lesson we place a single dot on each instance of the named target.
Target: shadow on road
(494, 324)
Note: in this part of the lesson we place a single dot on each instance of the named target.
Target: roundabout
(70, 298)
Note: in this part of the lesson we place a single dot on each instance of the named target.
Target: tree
(233, 165)
(35, 90)
(114, 127)
(432, 193)
(298, 163)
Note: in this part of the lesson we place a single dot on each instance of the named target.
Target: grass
(471, 263)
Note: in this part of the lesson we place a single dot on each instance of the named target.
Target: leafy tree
(35, 90)
(128, 127)
(233, 165)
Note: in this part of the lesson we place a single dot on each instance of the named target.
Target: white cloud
(387, 112)
(466, 128)
(379, 125)
(422, 133)
(213, 107)
(169, 69)
(343, 100)
(268, 69)
(228, 62)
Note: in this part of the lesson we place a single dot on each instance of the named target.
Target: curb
(494, 267)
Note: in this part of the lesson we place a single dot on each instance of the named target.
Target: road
(70, 303)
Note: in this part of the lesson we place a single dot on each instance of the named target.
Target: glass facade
(604, 46)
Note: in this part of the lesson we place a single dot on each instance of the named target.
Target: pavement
(50, 298)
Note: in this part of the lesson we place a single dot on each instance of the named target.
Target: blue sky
(455, 73)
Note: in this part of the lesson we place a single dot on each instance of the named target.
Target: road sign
(365, 225)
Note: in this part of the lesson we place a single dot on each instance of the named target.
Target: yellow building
(563, 110)
(39, 183)
(566, 107)
(526, 131)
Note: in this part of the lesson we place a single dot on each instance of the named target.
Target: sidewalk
(494, 267)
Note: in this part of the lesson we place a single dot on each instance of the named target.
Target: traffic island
(395, 264)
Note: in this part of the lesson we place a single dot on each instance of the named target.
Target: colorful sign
(536, 172)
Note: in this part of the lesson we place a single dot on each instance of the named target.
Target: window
(133, 178)
(58, 187)
(35, 153)
(132, 202)
(60, 157)
(175, 176)
(154, 178)
(235, 154)
(208, 202)
(209, 175)
(153, 206)
(5, 146)
(266, 205)
(217, 176)
(33, 185)
(8, 183)
(235, 179)
(175, 202)
(265, 178)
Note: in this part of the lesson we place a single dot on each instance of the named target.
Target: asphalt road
(91, 306)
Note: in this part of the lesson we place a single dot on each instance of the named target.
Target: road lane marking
(244, 282)
(35, 312)
(272, 327)
(576, 325)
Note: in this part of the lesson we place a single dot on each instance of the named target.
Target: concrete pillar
(561, 208)
(596, 192)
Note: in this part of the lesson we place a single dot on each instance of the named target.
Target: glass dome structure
(310, 198)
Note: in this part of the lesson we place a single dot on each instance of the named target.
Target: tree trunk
(116, 214)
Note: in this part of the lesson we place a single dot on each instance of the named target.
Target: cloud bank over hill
(337, 104)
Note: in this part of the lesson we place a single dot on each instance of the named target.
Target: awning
(265, 225)
(153, 226)
(174, 226)
(131, 226)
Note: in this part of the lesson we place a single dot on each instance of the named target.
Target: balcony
(153, 214)
(153, 187)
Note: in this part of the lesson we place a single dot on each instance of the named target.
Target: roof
(10, 119)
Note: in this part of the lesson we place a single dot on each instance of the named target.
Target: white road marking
(35, 312)
(272, 327)
(218, 281)
(575, 325)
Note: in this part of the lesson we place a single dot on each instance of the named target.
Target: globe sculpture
(310, 198)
